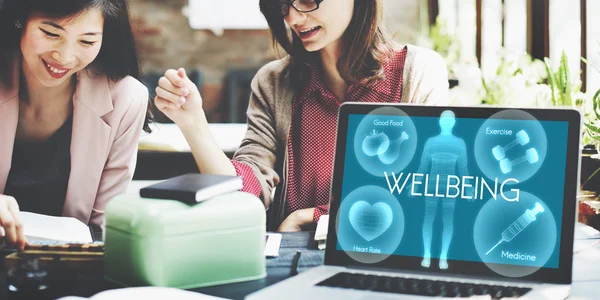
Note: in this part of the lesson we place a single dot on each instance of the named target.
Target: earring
(18, 24)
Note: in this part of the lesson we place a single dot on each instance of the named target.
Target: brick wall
(166, 40)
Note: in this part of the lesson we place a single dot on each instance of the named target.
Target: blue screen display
(447, 188)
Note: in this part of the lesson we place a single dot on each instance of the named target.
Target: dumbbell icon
(500, 152)
(531, 156)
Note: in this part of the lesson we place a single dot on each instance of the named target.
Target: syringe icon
(517, 226)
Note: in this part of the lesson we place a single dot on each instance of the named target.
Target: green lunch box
(172, 244)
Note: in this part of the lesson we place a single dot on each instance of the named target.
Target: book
(44, 229)
(192, 188)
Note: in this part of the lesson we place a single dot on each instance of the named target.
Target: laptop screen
(449, 190)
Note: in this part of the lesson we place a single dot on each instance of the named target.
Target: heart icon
(370, 221)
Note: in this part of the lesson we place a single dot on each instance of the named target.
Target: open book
(43, 229)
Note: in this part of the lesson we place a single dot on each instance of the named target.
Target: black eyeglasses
(302, 6)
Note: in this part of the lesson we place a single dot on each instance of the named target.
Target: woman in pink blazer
(71, 109)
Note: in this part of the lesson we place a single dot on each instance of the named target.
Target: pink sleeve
(122, 158)
(319, 211)
(249, 181)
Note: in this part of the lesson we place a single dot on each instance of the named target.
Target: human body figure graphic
(444, 155)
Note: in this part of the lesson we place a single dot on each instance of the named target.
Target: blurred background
(514, 53)
(495, 49)
(224, 43)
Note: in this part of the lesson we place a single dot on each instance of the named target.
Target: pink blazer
(107, 123)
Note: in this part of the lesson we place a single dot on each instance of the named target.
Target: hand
(296, 220)
(11, 222)
(178, 97)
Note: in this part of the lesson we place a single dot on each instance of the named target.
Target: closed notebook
(192, 188)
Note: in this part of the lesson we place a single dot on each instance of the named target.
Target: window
(460, 18)
(491, 36)
(565, 33)
(593, 44)
(515, 25)
(544, 28)
(240, 14)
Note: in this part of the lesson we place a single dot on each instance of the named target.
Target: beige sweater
(270, 113)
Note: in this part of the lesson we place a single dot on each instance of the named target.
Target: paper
(164, 137)
(272, 244)
(168, 137)
(322, 244)
(146, 293)
(322, 226)
(583, 232)
(42, 228)
(584, 244)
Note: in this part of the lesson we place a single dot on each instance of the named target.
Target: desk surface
(277, 269)
(586, 270)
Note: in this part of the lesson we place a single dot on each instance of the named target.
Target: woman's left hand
(296, 220)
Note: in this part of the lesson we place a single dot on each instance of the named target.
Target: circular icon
(511, 144)
(385, 141)
(370, 224)
(515, 239)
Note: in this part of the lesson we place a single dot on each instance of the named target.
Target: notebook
(192, 188)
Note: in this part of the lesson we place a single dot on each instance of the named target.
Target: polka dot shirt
(311, 144)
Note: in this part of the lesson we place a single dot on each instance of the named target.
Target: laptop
(447, 202)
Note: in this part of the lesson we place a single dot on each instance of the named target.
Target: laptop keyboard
(421, 287)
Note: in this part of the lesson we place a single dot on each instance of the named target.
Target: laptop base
(305, 286)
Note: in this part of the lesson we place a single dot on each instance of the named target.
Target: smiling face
(53, 50)
(323, 27)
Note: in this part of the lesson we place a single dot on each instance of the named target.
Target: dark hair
(118, 55)
(365, 43)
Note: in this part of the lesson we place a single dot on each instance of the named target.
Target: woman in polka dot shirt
(336, 51)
